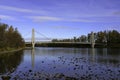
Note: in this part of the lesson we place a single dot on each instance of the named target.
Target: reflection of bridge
(49, 40)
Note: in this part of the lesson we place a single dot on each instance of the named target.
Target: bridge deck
(61, 42)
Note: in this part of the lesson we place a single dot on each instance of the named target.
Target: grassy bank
(62, 45)
(75, 45)
(112, 45)
(65, 45)
(9, 50)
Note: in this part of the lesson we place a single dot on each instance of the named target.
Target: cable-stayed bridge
(44, 39)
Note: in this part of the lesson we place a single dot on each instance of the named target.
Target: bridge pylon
(33, 38)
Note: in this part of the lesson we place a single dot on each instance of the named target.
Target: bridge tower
(33, 38)
(92, 40)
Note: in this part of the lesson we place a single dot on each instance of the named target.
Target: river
(61, 64)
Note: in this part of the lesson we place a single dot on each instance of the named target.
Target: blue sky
(61, 18)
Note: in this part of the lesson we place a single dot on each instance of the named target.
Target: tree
(10, 37)
(113, 36)
(19, 41)
(83, 38)
(75, 39)
(3, 28)
(54, 40)
(100, 37)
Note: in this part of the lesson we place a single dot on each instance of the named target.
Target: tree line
(109, 37)
(10, 38)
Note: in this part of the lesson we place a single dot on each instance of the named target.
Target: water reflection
(33, 58)
(72, 62)
(105, 56)
(10, 61)
(93, 54)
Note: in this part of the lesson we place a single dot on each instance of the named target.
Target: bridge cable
(42, 35)
(27, 33)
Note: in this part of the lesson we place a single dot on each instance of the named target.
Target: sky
(61, 18)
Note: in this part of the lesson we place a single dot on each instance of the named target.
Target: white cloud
(49, 18)
(116, 13)
(49, 15)
(88, 20)
(44, 18)
(66, 27)
(6, 17)
(72, 16)
(80, 20)
(21, 9)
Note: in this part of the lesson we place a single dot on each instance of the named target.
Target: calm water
(62, 63)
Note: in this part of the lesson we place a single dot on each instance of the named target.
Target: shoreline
(74, 45)
(11, 51)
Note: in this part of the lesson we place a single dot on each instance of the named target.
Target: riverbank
(102, 45)
(11, 50)
(117, 45)
(69, 45)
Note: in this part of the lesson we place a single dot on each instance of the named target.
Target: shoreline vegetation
(103, 39)
(11, 50)
(106, 38)
(73, 45)
(10, 39)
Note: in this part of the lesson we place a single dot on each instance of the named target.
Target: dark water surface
(61, 64)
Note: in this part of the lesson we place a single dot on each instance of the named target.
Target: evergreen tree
(3, 28)
(10, 37)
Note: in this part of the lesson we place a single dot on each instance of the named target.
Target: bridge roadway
(33, 41)
(60, 42)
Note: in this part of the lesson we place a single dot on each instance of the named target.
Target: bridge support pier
(33, 38)
(93, 45)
